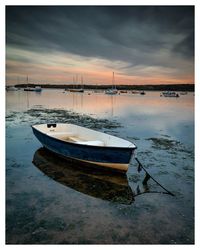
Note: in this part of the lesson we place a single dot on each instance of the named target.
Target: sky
(141, 44)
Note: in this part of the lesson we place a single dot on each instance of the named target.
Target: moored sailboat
(75, 89)
(113, 90)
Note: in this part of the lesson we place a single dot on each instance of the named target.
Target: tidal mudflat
(51, 201)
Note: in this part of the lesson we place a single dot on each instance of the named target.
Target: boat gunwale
(86, 145)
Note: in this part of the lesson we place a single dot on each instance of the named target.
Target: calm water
(51, 201)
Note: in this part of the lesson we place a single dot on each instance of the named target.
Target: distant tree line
(162, 87)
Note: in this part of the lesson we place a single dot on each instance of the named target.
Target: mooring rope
(148, 176)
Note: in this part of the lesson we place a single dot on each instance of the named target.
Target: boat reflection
(105, 185)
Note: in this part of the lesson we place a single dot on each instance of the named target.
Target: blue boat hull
(117, 158)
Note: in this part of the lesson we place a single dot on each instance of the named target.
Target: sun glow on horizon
(61, 68)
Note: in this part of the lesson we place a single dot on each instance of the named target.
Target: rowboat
(86, 145)
(99, 184)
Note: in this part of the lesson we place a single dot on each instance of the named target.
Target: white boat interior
(81, 135)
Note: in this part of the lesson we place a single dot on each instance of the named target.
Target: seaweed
(163, 143)
(39, 115)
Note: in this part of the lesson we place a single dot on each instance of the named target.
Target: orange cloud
(61, 68)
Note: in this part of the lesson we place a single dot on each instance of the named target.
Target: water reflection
(157, 110)
(104, 185)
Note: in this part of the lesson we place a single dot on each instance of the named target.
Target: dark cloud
(132, 34)
(186, 46)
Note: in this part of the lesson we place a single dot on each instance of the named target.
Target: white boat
(11, 88)
(113, 90)
(35, 88)
(169, 94)
(183, 93)
(86, 145)
(38, 88)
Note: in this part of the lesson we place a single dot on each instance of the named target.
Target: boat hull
(76, 90)
(170, 94)
(33, 89)
(29, 89)
(111, 92)
(115, 158)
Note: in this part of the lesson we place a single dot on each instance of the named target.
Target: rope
(148, 176)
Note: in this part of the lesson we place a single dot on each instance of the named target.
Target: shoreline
(162, 87)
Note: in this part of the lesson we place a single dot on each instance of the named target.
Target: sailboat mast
(113, 81)
(73, 81)
(27, 80)
(81, 81)
(76, 80)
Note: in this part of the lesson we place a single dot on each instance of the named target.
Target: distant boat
(123, 91)
(135, 92)
(11, 88)
(36, 89)
(74, 89)
(86, 145)
(29, 89)
(112, 187)
(170, 94)
(142, 93)
(113, 90)
(183, 93)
